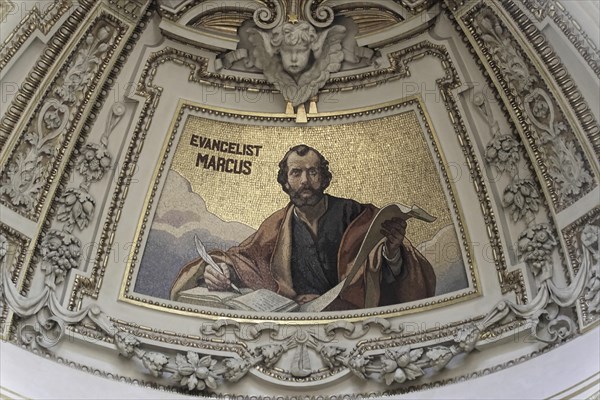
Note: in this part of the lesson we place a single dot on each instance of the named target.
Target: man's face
(304, 183)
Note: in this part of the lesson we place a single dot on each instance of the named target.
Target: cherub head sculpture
(295, 44)
(296, 58)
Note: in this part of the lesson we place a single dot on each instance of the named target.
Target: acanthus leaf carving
(522, 199)
(568, 173)
(25, 175)
(76, 208)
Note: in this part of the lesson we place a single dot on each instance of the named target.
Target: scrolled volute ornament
(297, 57)
(45, 330)
(268, 17)
(318, 15)
(549, 326)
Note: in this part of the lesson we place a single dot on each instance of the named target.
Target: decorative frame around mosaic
(510, 281)
(133, 348)
(177, 123)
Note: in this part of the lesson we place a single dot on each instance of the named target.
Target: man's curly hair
(302, 150)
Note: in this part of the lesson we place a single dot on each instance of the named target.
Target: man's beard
(299, 201)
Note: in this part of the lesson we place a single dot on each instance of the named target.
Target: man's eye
(313, 172)
(295, 172)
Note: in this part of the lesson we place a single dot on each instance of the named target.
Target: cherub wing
(329, 57)
(258, 45)
(328, 39)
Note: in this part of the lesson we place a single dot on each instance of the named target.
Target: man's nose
(304, 177)
(294, 56)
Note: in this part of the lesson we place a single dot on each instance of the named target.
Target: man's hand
(394, 230)
(215, 280)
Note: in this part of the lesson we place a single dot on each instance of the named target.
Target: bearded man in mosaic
(307, 248)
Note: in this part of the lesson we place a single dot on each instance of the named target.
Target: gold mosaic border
(178, 121)
(509, 281)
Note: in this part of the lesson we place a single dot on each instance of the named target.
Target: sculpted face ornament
(293, 42)
(297, 57)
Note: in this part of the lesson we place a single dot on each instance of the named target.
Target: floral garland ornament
(60, 249)
(27, 173)
(543, 312)
(554, 137)
(196, 372)
(60, 253)
(522, 200)
(535, 246)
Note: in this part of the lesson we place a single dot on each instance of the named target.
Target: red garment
(263, 261)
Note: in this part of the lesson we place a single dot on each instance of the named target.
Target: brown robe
(263, 261)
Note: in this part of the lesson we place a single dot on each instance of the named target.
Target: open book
(267, 301)
(250, 300)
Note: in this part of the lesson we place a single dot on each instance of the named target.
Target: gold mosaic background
(380, 161)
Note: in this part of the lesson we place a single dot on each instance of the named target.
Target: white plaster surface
(576, 363)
